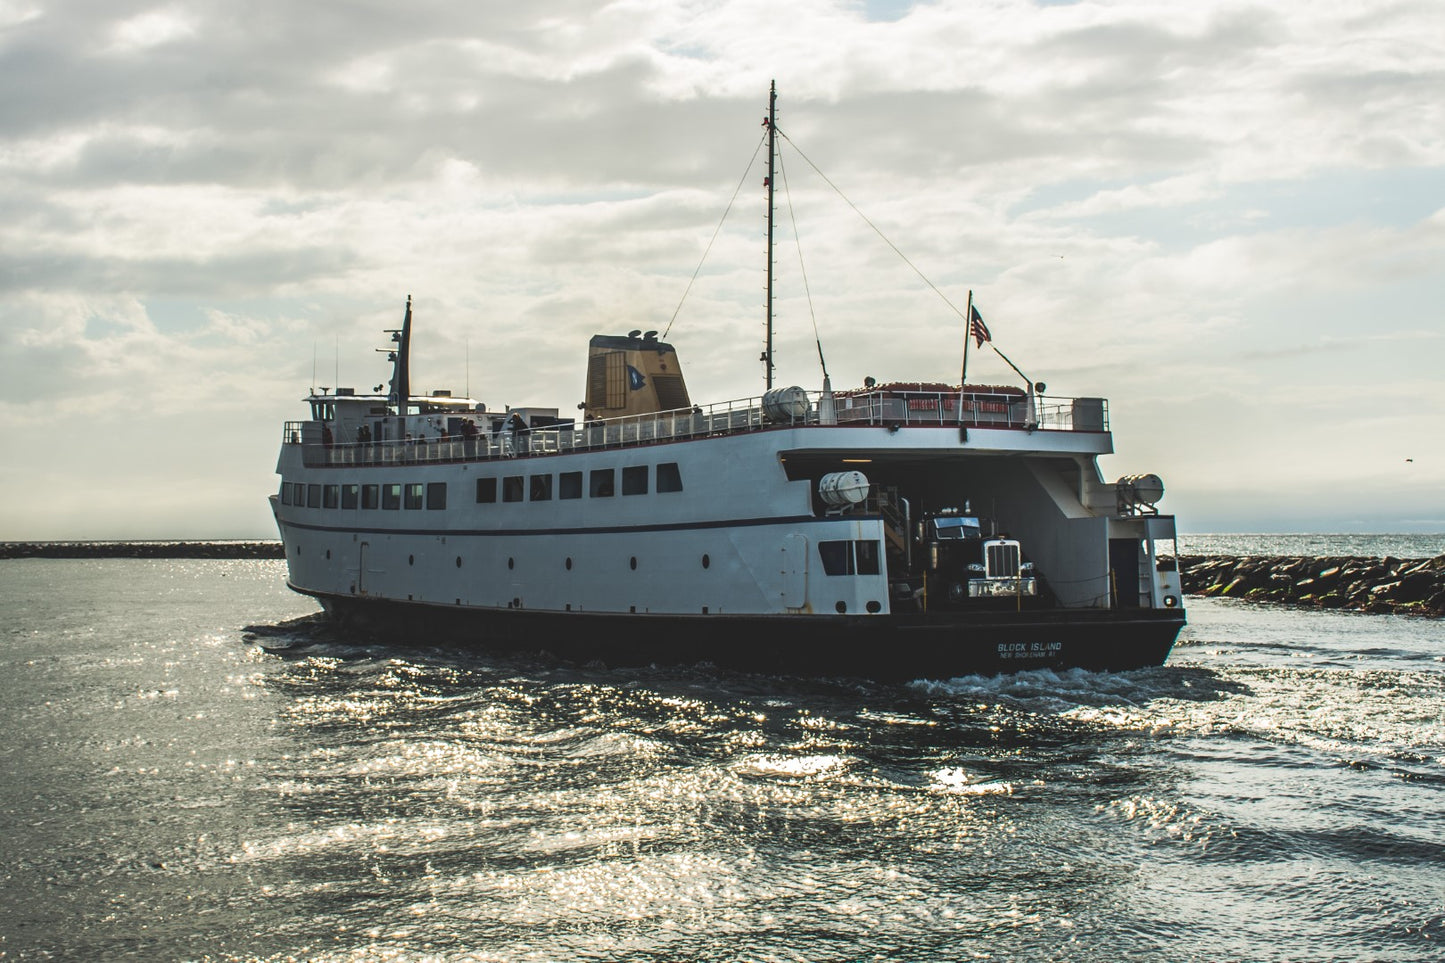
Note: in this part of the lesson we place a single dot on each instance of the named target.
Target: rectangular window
(867, 556)
(669, 479)
(370, 496)
(634, 480)
(391, 497)
(332, 496)
(285, 493)
(415, 493)
(436, 496)
(837, 557)
(298, 494)
(850, 558)
(541, 488)
(349, 495)
(313, 496)
(600, 483)
(512, 488)
(569, 484)
(486, 491)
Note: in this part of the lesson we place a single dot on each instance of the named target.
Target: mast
(772, 161)
(401, 363)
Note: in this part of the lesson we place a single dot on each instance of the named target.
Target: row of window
(601, 483)
(411, 495)
(849, 557)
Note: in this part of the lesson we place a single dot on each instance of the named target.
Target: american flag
(977, 328)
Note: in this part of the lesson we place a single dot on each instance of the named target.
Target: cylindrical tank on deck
(841, 489)
(1141, 489)
(785, 404)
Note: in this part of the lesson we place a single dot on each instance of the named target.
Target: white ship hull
(727, 569)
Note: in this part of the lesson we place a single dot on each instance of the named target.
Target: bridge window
(313, 496)
(333, 496)
(837, 557)
(634, 480)
(866, 554)
(669, 479)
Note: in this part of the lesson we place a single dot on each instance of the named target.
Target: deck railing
(877, 408)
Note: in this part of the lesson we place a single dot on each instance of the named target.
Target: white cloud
(1142, 196)
(153, 28)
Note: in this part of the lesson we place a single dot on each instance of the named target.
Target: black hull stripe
(600, 530)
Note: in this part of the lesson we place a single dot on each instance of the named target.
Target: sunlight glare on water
(179, 792)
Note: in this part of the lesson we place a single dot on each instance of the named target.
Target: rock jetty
(1408, 586)
(141, 550)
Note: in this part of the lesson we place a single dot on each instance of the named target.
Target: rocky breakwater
(1411, 586)
(141, 550)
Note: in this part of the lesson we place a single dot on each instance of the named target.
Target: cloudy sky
(1226, 217)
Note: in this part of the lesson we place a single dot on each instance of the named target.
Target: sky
(1228, 218)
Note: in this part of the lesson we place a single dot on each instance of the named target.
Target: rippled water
(1407, 545)
(173, 790)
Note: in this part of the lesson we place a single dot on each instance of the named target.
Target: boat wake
(301, 633)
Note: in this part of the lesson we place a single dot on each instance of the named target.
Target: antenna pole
(772, 162)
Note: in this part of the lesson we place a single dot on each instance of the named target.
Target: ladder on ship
(895, 512)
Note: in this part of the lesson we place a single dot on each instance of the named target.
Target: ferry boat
(893, 531)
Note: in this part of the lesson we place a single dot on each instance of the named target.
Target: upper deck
(443, 437)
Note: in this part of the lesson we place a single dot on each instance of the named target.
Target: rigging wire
(715, 233)
(798, 240)
(840, 193)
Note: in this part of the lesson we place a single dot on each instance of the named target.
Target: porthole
(706, 561)
(842, 607)
(874, 607)
(511, 563)
(459, 561)
(411, 560)
(328, 554)
(569, 563)
(633, 563)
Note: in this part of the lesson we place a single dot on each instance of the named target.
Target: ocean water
(1407, 545)
(173, 791)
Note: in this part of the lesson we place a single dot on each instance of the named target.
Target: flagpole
(963, 375)
(967, 337)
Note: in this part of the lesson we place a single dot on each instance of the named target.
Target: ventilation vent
(671, 392)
